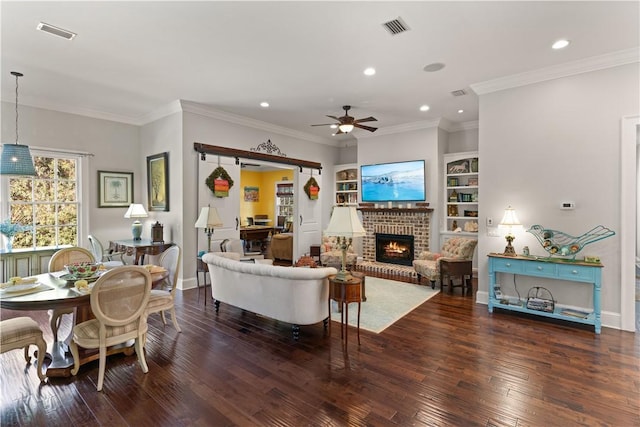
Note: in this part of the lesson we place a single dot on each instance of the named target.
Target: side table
(314, 252)
(202, 267)
(452, 268)
(344, 293)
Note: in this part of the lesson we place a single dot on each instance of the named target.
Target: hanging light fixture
(16, 158)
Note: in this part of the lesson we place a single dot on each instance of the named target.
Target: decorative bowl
(82, 269)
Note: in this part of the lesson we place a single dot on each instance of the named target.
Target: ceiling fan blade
(335, 118)
(366, 119)
(326, 124)
(369, 128)
(338, 132)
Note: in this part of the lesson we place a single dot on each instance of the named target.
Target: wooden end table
(345, 292)
(202, 267)
(453, 268)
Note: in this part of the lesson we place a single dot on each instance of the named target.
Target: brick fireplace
(412, 222)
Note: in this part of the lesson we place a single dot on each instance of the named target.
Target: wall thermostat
(567, 205)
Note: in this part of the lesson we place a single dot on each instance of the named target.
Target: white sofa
(294, 295)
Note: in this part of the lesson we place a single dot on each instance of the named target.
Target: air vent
(56, 31)
(396, 26)
(459, 92)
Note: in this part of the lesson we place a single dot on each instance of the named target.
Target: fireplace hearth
(394, 248)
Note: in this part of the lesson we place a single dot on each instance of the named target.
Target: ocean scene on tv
(402, 181)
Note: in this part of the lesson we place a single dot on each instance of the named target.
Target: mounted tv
(395, 182)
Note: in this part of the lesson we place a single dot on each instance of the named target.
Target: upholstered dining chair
(119, 301)
(22, 332)
(106, 258)
(161, 299)
(56, 263)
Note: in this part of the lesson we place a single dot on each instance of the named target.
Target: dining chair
(163, 299)
(118, 301)
(56, 263)
(106, 258)
(22, 332)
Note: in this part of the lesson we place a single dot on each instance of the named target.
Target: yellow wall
(266, 182)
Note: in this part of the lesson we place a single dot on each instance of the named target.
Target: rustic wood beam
(232, 152)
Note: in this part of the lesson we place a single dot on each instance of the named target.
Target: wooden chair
(160, 299)
(57, 263)
(22, 332)
(119, 301)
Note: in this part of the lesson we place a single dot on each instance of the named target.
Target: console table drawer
(540, 269)
(572, 272)
(507, 265)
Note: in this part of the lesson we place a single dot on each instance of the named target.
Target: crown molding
(457, 127)
(203, 110)
(407, 127)
(594, 63)
(164, 111)
(63, 108)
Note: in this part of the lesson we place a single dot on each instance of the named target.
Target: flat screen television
(396, 182)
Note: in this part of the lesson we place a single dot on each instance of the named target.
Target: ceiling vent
(56, 31)
(396, 26)
(459, 92)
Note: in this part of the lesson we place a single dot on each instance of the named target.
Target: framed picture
(251, 194)
(158, 182)
(115, 189)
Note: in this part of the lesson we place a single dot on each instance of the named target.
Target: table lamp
(344, 224)
(208, 219)
(136, 210)
(510, 222)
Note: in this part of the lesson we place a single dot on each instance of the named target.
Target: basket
(540, 299)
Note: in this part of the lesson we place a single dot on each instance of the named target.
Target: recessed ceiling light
(560, 44)
(424, 108)
(264, 104)
(436, 66)
(369, 71)
(460, 111)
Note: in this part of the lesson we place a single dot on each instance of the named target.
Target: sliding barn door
(307, 222)
(228, 207)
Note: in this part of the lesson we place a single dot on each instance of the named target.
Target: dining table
(53, 291)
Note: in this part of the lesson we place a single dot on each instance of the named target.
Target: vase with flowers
(9, 230)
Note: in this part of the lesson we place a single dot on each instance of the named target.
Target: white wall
(462, 141)
(557, 141)
(115, 147)
(411, 145)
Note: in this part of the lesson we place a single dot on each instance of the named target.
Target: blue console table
(550, 268)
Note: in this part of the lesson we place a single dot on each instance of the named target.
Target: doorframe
(630, 127)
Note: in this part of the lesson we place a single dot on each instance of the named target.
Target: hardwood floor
(447, 363)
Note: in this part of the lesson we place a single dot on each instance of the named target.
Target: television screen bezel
(424, 181)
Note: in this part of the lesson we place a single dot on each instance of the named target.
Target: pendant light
(16, 158)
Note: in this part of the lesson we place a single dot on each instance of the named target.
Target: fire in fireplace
(394, 248)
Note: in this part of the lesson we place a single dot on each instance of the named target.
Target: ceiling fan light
(345, 128)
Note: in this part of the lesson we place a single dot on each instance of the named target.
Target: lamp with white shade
(136, 210)
(208, 219)
(511, 223)
(345, 225)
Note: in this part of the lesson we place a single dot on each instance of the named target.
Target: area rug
(387, 302)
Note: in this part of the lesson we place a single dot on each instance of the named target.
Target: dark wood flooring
(447, 363)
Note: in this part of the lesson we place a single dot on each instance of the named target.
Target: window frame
(82, 194)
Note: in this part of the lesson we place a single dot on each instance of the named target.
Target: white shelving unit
(284, 200)
(461, 194)
(346, 184)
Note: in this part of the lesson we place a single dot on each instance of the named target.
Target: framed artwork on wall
(115, 189)
(251, 194)
(158, 182)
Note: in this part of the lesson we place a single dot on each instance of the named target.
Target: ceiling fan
(346, 123)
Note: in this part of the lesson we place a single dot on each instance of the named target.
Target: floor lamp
(208, 219)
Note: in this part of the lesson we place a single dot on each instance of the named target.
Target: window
(49, 202)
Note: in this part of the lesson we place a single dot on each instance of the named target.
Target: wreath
(312, 188)
(219, 182)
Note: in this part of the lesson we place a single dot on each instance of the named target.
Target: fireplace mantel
(366, 209)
